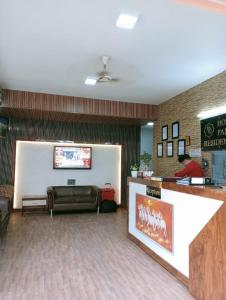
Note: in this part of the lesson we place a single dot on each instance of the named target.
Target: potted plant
(145, 162)
(134, 168)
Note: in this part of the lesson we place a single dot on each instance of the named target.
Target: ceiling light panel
(126, 21)
(90, 81)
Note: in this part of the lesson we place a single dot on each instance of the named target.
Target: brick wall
(184, 108)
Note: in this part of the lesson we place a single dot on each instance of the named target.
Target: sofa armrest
(98, 194)
(96, 189)
(51, 195)
(4, 203)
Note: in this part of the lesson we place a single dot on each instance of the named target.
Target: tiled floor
(79, 256)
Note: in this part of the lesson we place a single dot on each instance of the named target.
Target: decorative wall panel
(60, 107)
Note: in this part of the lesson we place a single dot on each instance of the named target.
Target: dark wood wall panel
(65, 117)
(78, 105)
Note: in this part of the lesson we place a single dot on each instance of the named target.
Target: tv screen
(4, 122)
(69, 157)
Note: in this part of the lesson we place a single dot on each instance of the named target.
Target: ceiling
(51, 46)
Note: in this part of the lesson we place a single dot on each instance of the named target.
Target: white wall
(34, 169)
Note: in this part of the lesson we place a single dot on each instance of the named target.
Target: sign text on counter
(153, 192)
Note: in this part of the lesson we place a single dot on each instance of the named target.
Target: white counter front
(190, 214)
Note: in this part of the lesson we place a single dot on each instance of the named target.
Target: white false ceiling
(51, 46)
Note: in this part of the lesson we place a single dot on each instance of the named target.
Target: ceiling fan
(104, 76)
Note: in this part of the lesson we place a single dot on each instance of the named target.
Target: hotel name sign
(213, 133)
(153, 192)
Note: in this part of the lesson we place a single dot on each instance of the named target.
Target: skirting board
(162, 262)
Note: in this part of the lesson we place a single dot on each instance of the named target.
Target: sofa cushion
(62, 191)
(68, 191)
(73, 199)
(75, 207)
(83, 190)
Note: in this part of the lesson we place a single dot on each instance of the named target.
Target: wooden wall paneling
(207, 257)
(66, 117)
(202, 191)
(39, 102)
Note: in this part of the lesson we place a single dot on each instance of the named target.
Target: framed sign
(169, 149)
(165, 133)
(181, 147)
(160, 150)
(187, 141)
(213, 133)
(175, 130)
(154, 218)
(153, 191)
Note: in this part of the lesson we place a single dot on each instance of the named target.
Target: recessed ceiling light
(150, 123)
(126, 21)
(90, 81)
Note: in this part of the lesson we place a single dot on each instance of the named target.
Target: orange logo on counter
(155, 219)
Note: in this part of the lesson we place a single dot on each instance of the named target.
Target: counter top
(146, 181)
(198, 190)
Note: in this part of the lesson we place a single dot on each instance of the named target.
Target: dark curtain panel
(127, 136)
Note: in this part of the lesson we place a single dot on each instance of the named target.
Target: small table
(30, 202)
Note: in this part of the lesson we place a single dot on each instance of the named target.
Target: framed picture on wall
(160, 150)
(181, 147)
(169, 149)
(165, 133)
(175, 130)
(187, 141)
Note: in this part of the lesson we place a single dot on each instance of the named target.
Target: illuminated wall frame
(34, 171)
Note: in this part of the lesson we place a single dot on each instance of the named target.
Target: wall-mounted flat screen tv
(70, 157)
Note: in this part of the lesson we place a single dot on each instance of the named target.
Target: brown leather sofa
(73, 198)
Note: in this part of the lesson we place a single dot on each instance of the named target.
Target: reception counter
(184, 229)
